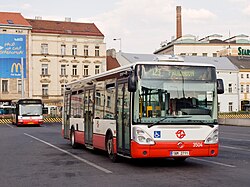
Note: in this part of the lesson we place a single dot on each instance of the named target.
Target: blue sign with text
(12, 68)
(12, 46)
(12, 50)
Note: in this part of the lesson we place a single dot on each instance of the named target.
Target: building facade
(210, 46)
(62, 52)
(38, 57)
(14, 56)
(243, 64)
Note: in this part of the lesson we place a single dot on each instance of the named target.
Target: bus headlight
(213, 137)
(141, 137)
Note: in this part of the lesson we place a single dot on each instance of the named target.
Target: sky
(142, 25)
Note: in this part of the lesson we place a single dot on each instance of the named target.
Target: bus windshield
(175, 94)
(30, 109)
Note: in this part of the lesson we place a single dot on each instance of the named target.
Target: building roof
(112, 63)
(241, 62)
(64, 27)
(221, 63)
(13, 19)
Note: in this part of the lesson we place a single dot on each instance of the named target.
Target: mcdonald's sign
(17, 67)
(12, 68)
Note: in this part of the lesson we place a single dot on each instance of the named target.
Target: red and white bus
(27, 112)
(158, 109)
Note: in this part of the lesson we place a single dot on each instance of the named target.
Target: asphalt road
(39, 156)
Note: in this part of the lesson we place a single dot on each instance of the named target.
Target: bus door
(66, 114)
(88, 115)
(123, 118)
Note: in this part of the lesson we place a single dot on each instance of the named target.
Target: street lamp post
(120, 42)
(22, 76)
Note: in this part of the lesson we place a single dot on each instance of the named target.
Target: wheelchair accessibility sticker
(157, 134)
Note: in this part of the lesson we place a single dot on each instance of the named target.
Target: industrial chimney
(178, 22)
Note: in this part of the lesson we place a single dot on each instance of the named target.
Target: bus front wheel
(110, 148)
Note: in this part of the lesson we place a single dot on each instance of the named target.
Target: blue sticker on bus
(157, 134)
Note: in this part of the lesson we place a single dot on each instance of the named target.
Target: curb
(45, 120)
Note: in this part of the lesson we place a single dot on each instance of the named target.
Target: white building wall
(245, 95)
(229, 77)
(190, 49)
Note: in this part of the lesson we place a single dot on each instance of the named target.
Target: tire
(110, 149)
(72, 138)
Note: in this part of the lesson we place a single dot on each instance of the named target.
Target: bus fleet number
(197, 144)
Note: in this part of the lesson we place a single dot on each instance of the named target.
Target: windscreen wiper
(157, 122)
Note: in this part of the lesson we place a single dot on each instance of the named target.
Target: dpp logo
(180, 134)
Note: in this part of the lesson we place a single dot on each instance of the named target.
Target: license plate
(179, 153)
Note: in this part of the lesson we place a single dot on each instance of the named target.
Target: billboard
(12, 49)
(12, 68)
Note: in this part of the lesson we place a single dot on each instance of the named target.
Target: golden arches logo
(16, 66)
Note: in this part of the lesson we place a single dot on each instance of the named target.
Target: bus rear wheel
(110, 149)
(72, 138)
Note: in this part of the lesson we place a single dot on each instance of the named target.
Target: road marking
(68, 153)
(213, 162)
(10, 126)
(235, 148)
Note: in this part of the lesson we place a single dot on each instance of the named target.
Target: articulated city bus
(158, 109)
(27, 112)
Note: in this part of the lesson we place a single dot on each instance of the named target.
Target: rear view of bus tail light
(213, 137)
(141, 137)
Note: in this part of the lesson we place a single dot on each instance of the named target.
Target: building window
(44, 69)
(97, 69)
(241, 88)
(5, 85)
(63, 49)
(248, 76)
(230, 106)
(74, 50)
(204, 54)
(97, 51)
(108, 101)
(44, 49)
(74, 70)
(98, 99)
(214, 54)
(86, 50)
(19, 86)
(45, 89)
(85, 70)
(194, 54)
(182, 54)
(63, 69)
(218, 107)
(247, 89)
(230, 89)
(242, 76)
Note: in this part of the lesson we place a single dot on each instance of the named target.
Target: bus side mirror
(131, 83)
(220, 86)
